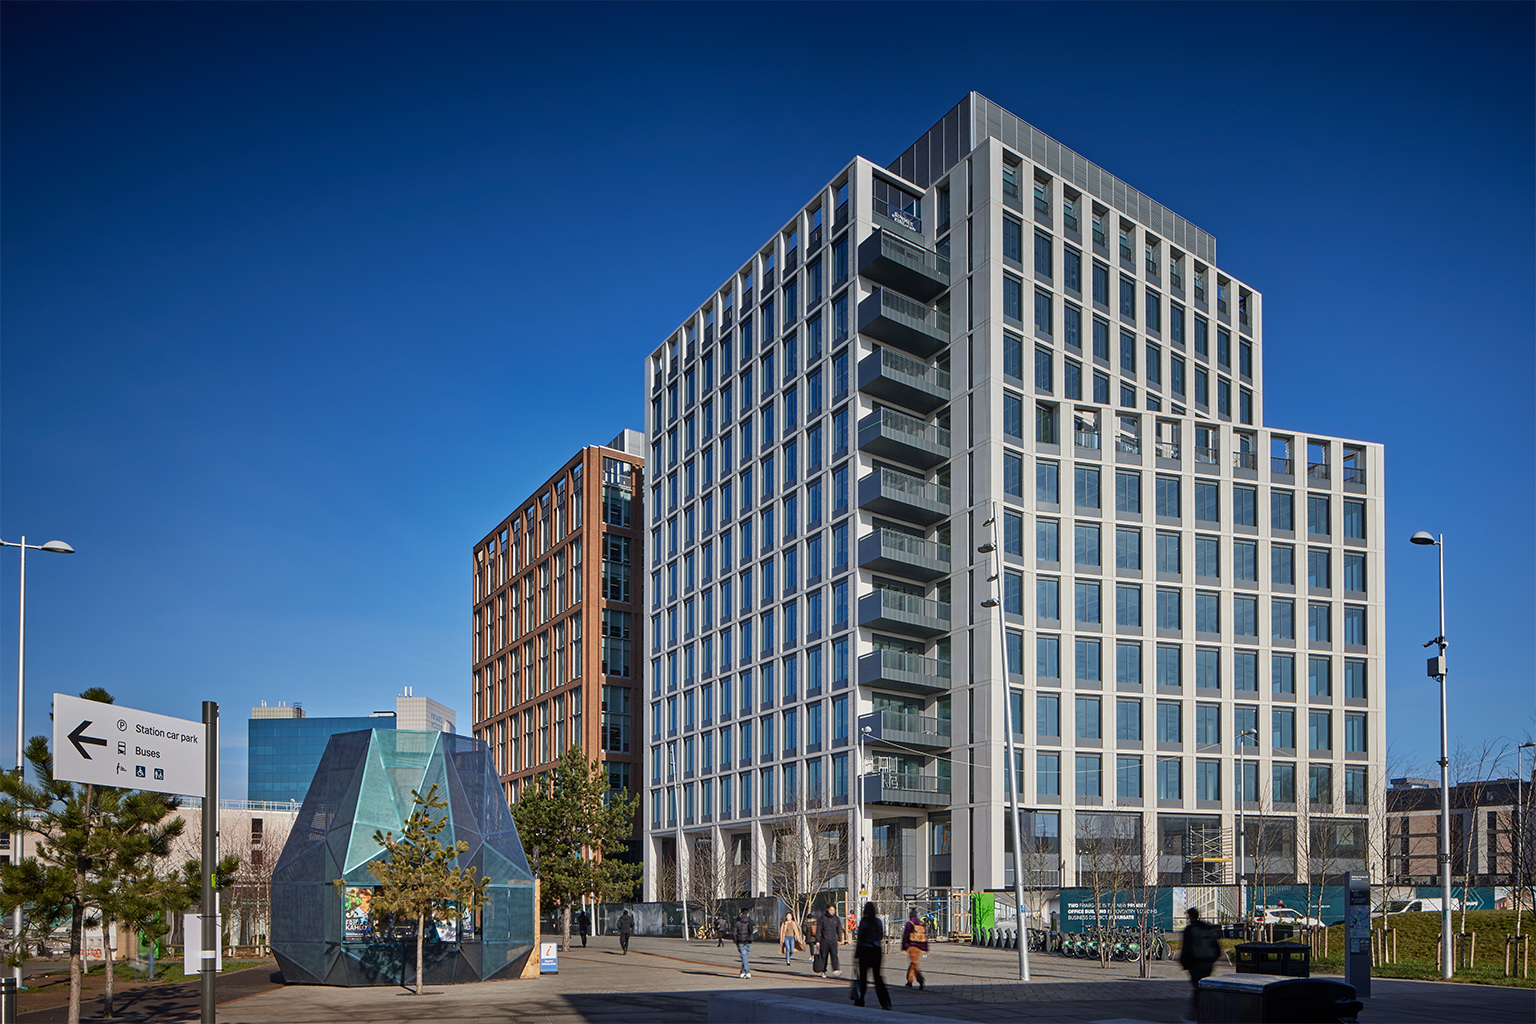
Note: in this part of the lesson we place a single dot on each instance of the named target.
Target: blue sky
(299, 299)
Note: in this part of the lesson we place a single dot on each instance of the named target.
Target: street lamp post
(1010, 773)
(1520, 831)
(56, 547)
(1242, 830)
(1437, 671)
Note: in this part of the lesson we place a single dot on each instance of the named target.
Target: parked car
(1423, 905)
(1284, 915)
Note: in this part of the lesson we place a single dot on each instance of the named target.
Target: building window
(1282, 671)
(1048, 775)
(1048, 657)
(1088, 660)
(1090, 782)
(1354, 737)
(1170, 728)
(1170, 671)
(1320, 730)
(1282, 506)
(1208, 780)
(1170, 784)
(1282, 733)
(1087, 608)
(1354, 679)
(1319, 625)
(1354, 625)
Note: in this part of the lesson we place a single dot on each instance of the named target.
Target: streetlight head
(990, 602)
(58, 547)
(987, 548)
(1423, 537)
(989, 522)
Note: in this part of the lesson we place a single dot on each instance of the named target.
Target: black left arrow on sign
(78, 739)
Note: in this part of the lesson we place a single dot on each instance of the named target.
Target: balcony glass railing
(911, 782)
(912, 606)
(1168, 450)
(907, 547)
(897, 303)
(914, 256)
(1279, 465)
(1086, 439)
(1129, 445)
(1207, 455)
(1317, 470)
(895, 482)
(889, 422)
(900, 663)
(1245, 460)
(923, 375)
(1354, 474)
(918, 725)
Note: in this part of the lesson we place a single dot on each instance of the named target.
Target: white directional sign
(110, 745)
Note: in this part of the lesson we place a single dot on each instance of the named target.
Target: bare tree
(1109, 861)
(809, 852)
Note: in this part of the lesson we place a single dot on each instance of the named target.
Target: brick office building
(555, 604)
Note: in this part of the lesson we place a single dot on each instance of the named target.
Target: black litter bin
(1289, 959)
(1251, 999)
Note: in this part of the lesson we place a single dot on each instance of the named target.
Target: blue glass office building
(284, 752)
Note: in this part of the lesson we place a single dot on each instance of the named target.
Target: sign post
(210, 922)
(1357, 933)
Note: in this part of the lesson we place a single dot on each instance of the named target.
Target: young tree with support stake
(94, 858)
(419, 876)
(572, 827)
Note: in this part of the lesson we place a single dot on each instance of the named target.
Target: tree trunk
(106, 951)
(565, 927)
(76, 926)
(421, 931)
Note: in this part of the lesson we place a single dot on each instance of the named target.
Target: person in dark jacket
(743, 931)
(1198, 954)
(829, 932)
(914, 939)
(626, 929)
(722, 929)
(583, 924)
(867, 952)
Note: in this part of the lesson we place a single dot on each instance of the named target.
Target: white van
(1422, 905)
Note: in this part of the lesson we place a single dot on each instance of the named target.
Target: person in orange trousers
(914, 939)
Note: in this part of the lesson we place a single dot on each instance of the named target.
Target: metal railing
(898, 303)
(911, 782)
(1354, 474)
(1168, 450)
(1129, 445)
(915, 256)
(1207, 455)
(913, 606)
(1245, 460)
(893, 480)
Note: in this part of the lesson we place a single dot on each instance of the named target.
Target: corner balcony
(908, 614)
(906, 789)
(908, 730)
(910, 269)
(904, 555)
(908, 382)
(894, 493)
(910, 673)
(894, 319)
(895, 435)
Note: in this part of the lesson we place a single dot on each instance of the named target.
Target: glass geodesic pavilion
(324, 932)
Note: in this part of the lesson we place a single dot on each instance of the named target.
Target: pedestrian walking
(914, 939)
(829, 933)
(583, 926)
(626, 929)
(1198, 954)
(867, 953)
(722, 929)
(743, 931)
(790, 937)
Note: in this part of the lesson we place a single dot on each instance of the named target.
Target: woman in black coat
(867, 950)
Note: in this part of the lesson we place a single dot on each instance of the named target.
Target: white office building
(1187, 603)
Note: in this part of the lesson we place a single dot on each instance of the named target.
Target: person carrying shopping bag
(790, 937)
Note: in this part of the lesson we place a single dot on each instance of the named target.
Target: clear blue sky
(299, 299)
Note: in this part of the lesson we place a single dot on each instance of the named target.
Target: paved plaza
(666, 980)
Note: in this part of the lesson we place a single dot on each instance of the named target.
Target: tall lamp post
(1242, 831)
(1437, 671)
(993, 548)
(1520, 831)
(56, 547)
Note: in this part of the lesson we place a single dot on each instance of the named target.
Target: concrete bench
(768, 1007)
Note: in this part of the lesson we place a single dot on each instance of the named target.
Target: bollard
(7, 1000)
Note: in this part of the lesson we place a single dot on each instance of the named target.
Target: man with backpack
(743, 931)
(1198, 954)
(914, 939)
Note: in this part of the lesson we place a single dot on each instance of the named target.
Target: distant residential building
(1485, 825)
(285, 745)
(556, 605)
